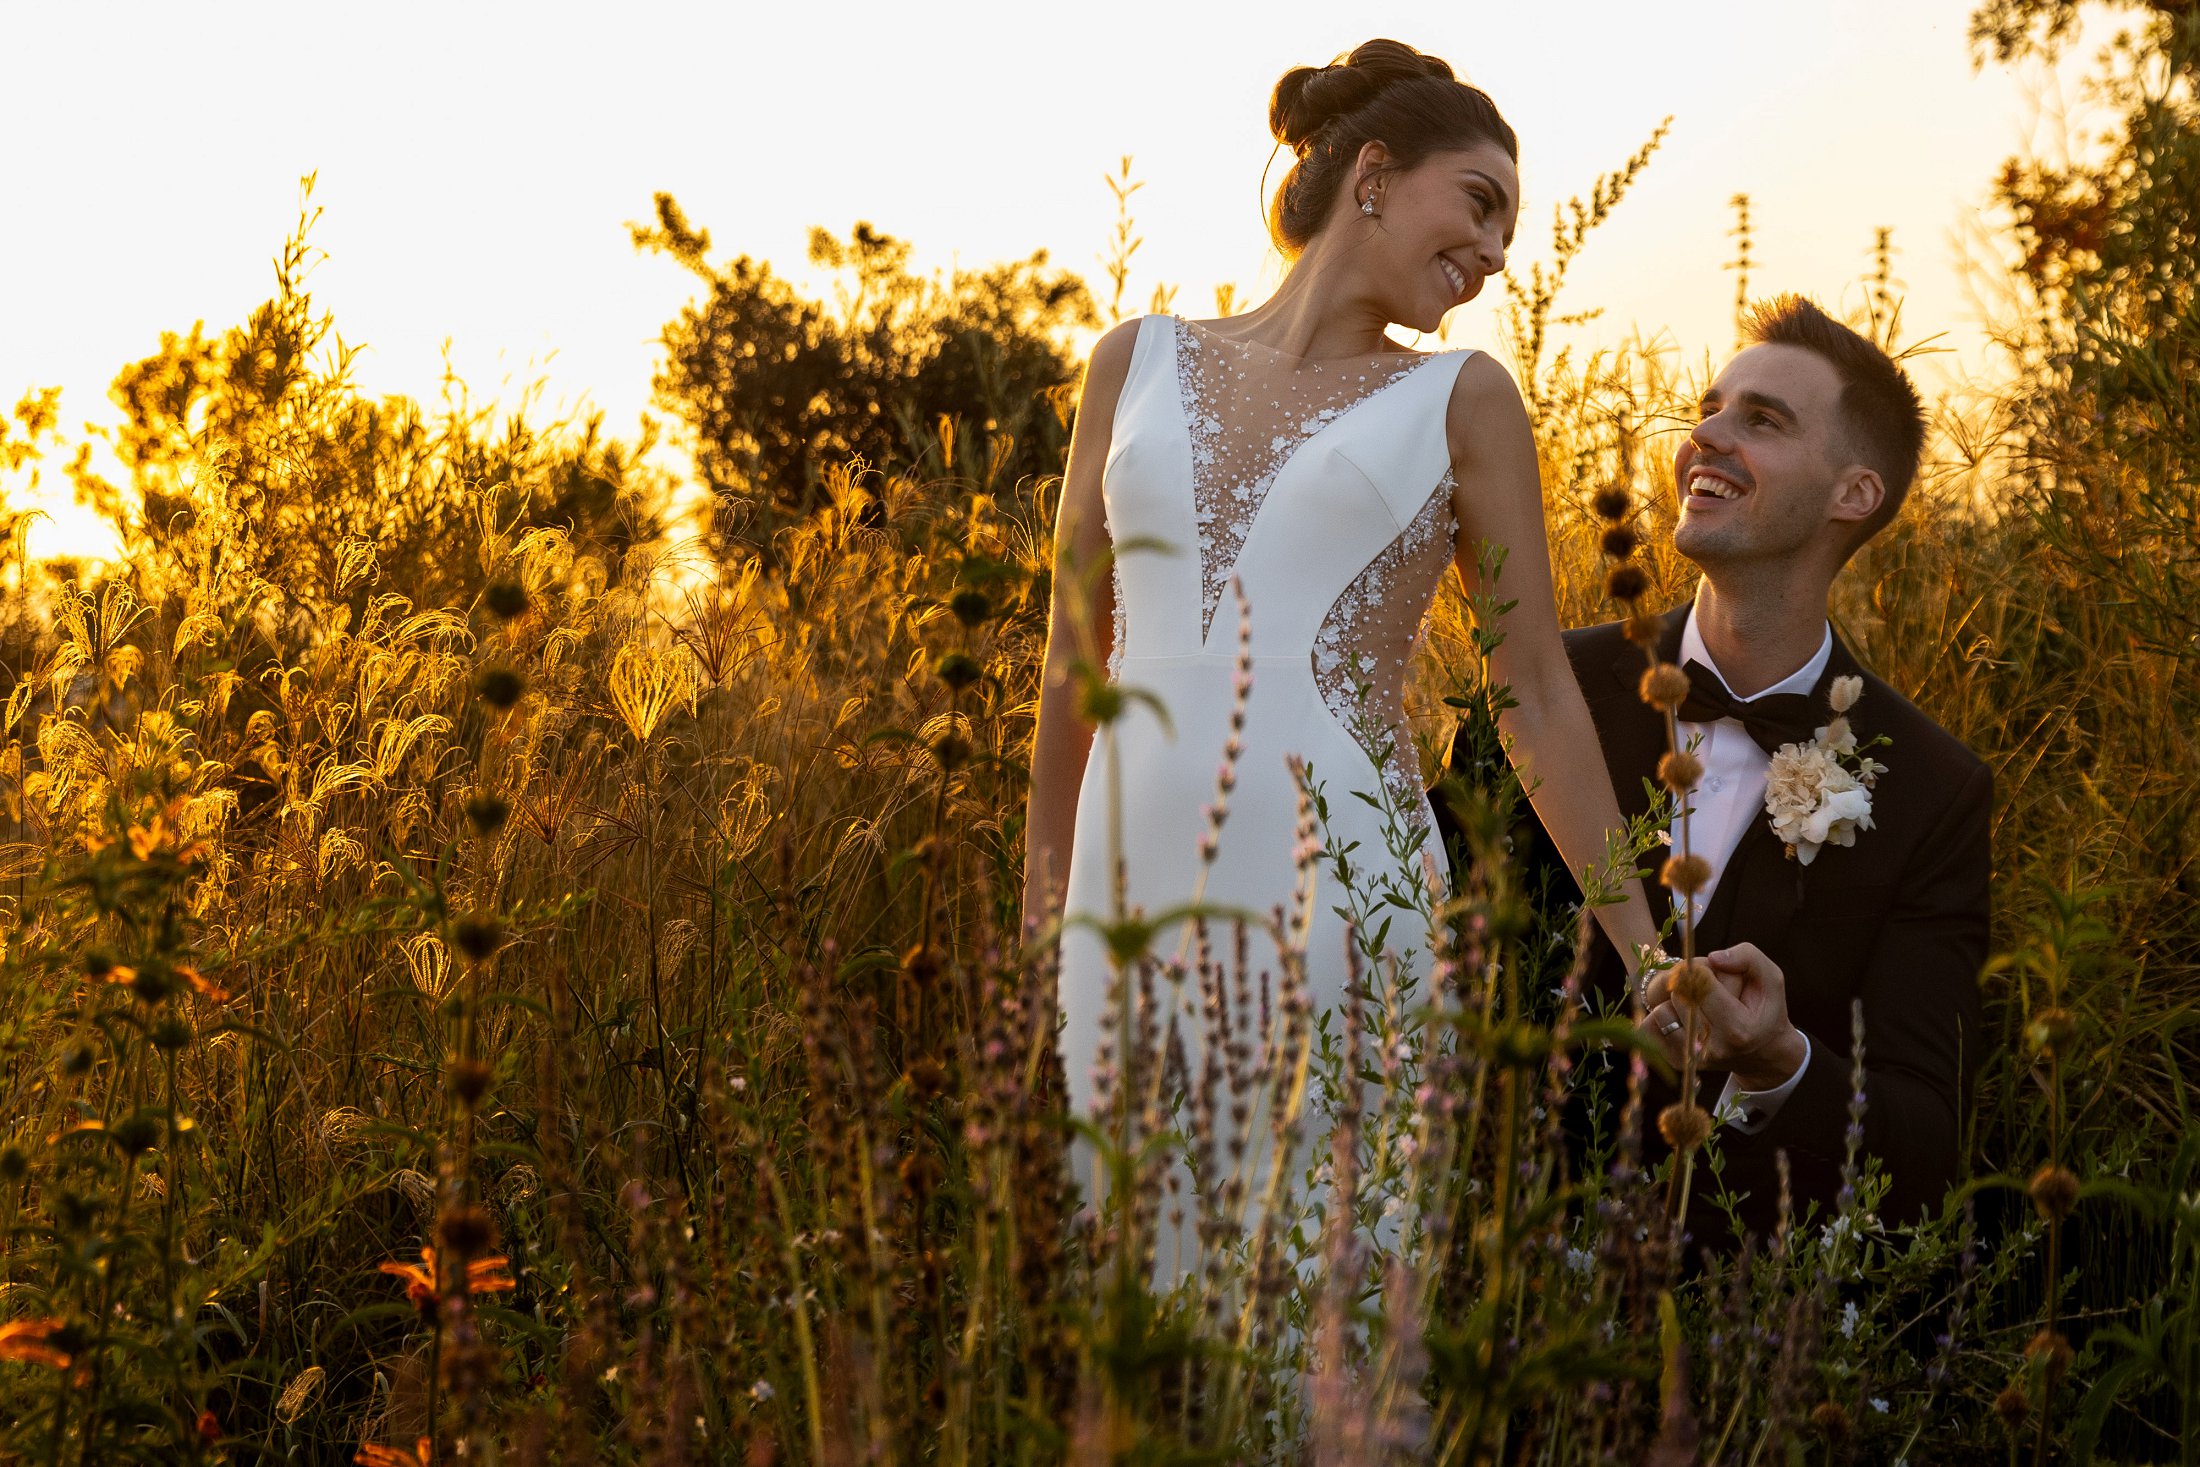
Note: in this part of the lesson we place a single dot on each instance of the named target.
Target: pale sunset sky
(478, 163)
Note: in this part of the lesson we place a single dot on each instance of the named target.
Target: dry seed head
(927, 1078)
(153, 983)
(2051, 1030)
(958, 669)
(1692, 982)
(1613, 502)
(1844, 692)
(1686, 874)
(1643, 628)
(1831, 1420)
(952, 750)
(922, 1172)
(2052, 1348)
(478, 937)
(1683, 1126)
(2054, 1191)
(647, 683)
(292, 1402)
(487, 813)
(2012, 1406)
(970, 606)
(466, 1230)
(469, 1080)
(506, 598)
(1665, 687)
(500, 687)
(1679, 771)
(1620, 541)
(1626, 581)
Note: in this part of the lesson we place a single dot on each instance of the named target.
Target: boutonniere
(1820, 793)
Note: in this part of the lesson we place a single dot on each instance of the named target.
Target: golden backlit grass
(631, 924)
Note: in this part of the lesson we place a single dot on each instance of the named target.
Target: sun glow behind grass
(399, 857)
(477, 165)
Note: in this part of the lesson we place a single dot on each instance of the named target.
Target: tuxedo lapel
(1633, 734)
(1758, 891)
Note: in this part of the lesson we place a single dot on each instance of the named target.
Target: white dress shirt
(1729, 796)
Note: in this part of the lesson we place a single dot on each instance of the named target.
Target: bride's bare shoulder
(1108, 365)
(1485, 399)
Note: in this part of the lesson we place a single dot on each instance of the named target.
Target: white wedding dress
(1323, 488)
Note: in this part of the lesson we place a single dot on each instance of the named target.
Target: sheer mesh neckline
(1396, 355)
(1249, 409)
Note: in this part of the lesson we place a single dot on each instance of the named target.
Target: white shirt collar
(1802, 680)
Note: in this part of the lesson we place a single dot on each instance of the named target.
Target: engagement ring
(1671, 1025)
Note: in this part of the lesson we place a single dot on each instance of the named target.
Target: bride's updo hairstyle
(1385, 90)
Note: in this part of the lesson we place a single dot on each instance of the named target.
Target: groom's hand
(1742, 1024)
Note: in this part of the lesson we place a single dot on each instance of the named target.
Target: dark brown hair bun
(1412, 102)
(1308, 98)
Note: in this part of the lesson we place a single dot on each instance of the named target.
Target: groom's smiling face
(1759, 477)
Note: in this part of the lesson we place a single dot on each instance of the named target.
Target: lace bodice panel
(1248, 408)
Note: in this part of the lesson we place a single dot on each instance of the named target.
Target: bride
(1278, 494)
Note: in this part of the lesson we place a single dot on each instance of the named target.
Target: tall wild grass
(490, 970)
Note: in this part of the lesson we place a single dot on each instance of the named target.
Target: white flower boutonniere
(1820, 793)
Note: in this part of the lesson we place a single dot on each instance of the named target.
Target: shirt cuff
(1750, 1111)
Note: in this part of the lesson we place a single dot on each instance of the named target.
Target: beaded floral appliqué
(1361, 650)
(1240, 442)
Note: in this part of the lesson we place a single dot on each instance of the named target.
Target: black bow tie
(1773, 720)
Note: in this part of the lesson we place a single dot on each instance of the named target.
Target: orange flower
(26, 1340)
(374, 1456)
(424, 1283)
(146, 839)
(201, 985)
(162, 832)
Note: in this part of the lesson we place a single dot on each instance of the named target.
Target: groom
(1804, 449)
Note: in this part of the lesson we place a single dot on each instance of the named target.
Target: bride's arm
(1062, 739)
(1500, 499)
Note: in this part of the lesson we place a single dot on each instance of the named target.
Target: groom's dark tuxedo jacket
(1898, 920)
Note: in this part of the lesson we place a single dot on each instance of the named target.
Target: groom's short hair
(1882, 417)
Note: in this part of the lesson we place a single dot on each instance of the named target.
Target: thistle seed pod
(1683, 1125)
(1692, 982)
(2054, 1191)
(1664, 687)
(1626, 582)
(1686, 874)
(1679, 771)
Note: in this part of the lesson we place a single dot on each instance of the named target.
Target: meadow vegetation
(497, 963)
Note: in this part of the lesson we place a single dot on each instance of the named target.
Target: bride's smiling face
(1440, 230)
